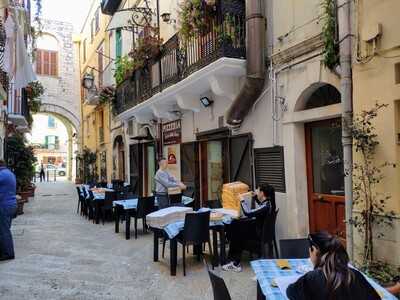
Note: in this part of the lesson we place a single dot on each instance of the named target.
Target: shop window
(270, 167)
(46, 62)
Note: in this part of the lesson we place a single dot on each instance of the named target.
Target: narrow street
(61, 255)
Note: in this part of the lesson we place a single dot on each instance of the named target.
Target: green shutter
(46, 141)
(57, 143)
(118, 43)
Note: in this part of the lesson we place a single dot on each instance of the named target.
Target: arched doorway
(324, 158)
(54, 138)
(119, 158)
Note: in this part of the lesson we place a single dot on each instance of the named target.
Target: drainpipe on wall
(344, 17)
(255, 46)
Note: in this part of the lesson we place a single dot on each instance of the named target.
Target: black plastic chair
(294, 248)
(219, 288)
(269, 236)
(145, 206)
(196, 232)
(90, 205)
(80, 200)
(107, 205)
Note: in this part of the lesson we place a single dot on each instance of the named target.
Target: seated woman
(249, 229)
(332, 278)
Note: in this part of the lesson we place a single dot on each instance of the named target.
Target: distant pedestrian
(8, 209)
(42, 175)
(164, 180)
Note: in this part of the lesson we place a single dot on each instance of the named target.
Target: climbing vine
(329, 34)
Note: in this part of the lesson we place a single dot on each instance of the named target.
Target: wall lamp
(166, 17)
(206, 101)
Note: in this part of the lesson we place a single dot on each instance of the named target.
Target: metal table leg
(117, 219)
(127, 225)
(173, 244)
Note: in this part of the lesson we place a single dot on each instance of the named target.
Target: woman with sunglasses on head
(332, 278)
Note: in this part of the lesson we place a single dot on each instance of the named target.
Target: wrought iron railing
(179, 58)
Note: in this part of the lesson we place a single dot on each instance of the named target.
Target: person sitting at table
(242, 231)
(164, 180)
(332, 277)
(395, 289)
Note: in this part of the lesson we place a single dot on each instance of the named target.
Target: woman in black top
(249, 229)
(332, 278)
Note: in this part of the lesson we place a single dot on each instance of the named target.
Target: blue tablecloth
(127, 204)
(173, 229)
(267, 269)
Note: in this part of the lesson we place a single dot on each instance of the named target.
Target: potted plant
(21, 161)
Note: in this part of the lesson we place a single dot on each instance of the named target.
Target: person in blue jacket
(8, 208)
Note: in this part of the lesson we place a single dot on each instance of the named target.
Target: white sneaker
(231, 267)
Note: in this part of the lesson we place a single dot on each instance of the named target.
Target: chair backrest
(268, 231)
(145, 206)
(84, 192)
(109, 198)
(197, 227)
(219, 288)
(294, 248)
(91, 195)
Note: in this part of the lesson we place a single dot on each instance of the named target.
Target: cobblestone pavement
(60, 255)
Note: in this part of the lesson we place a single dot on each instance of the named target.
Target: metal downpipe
(255, 45)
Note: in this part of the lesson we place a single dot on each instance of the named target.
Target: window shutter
(46, 63)
(46, 141)
(39, 62)
(118, 41)
(270, 167)
(53, 64)
(57, 143)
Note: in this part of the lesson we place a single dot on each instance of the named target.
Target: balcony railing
(179, 59)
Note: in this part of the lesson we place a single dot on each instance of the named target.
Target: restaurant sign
(172, 132)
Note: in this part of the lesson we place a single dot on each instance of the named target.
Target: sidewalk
(60, 255)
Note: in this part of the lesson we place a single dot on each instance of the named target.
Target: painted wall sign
(172, 132)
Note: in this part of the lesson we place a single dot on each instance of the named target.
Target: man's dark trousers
(6, 242)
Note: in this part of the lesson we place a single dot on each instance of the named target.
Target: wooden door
(135, 167)
(190, 169)
(325, 176)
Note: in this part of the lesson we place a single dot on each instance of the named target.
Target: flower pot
(24, 195)
(20, 205)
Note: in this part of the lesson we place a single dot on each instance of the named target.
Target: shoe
(4, 258)
(231, 267)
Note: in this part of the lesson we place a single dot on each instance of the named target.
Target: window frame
(40, 61)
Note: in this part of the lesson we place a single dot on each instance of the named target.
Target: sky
(73, 11)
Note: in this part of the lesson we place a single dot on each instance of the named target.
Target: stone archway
(72, 125)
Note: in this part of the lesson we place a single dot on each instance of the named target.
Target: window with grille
(47, 62)
(270, 167)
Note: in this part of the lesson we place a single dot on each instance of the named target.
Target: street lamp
(206, 101)
(88, 81)
(166, 17)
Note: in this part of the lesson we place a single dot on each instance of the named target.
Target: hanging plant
(194, 17)
(148, 47)
(124, 65)
(329, 33)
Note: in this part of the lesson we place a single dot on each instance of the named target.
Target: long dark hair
(333, 260)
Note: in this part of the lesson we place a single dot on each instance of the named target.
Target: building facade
(94, 59)
(376, 78)
(55, 68)
(221, 110)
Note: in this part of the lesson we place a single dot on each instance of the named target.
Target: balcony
(212, 61)
(18, 110)
(109, 7)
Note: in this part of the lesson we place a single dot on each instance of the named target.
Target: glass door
(325, 176)
(215, 169)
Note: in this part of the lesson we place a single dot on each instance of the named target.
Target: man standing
(8, 208)
(42, 175)
(164, 181)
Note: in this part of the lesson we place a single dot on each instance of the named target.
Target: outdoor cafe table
(171, 232)
(127, 206)
(267, 269)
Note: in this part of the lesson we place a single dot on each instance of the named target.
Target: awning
(119, 20)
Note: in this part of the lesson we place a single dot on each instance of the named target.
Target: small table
(125, 206)
(266, 270)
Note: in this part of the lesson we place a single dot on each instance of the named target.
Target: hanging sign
(172, 132)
